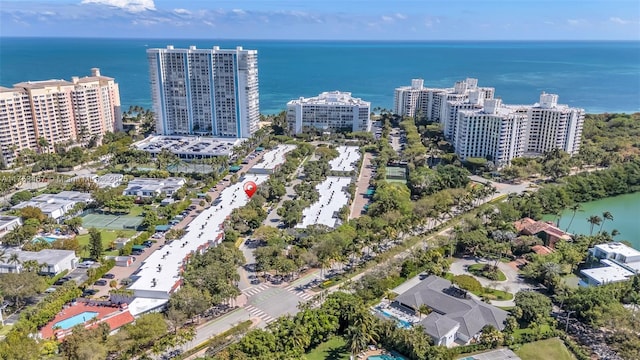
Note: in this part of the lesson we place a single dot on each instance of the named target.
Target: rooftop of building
(333, 196)
(348, 156)
(153, 184)
(193, 48)
(45, 256)
(190, 145)
(6, 220)
(532, 227)
(610, 272)
(446, 300)
(160, 272)
(274, 157)
(331, 98)
(51, 202)
(618, 248)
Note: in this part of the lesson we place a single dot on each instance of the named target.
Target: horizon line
(312, 40)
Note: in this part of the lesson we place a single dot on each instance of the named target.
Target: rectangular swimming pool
(75, 320)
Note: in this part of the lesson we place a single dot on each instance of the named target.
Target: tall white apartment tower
(554, 126)
(494, 132)
(434, 104)
(205, 91)
(407, 98)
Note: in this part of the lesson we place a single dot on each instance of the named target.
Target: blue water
(45, 238)
(76, 319)
(597, 76)
(401, 323)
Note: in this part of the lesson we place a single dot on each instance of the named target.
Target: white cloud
(574, 22)
(182, 11)
(617, 20)
(239, 12)
(129, 5)
(401, 16)
(387, 18)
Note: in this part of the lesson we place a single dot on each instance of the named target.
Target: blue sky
(326, 19)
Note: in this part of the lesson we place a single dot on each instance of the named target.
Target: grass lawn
(107, 237)
(136, 210)
(334, 349)
(545, 349)
(478, 270)
(495, 294)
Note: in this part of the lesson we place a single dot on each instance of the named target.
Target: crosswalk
(300, 293)
(254, 311)
(255, 290)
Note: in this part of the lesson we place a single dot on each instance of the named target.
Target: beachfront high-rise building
(438, 104)
(58, 112)
(205, 91)
(477, 125)
(500, 132)
(554, 126)
(493, 131)
(329, 111)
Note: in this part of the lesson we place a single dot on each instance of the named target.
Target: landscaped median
(221, 340)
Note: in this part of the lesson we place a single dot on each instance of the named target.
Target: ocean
(597, 76)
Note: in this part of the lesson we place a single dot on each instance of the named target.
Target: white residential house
(53, 261)
(618, 262)
(56, 206)
(8, 223)
(148, 187)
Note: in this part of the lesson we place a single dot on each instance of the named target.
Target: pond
(626, 217)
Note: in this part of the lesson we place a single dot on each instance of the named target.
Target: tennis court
(112, 222)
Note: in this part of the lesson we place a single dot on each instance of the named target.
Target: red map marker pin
(250, 188)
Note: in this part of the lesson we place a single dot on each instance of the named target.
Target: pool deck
(47, 331)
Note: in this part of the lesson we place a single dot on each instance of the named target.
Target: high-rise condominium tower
(205, 91)
(38, 114)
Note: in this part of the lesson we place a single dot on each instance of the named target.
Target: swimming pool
(75, 320)
(401, 323)
(385, 357)
(48, 239)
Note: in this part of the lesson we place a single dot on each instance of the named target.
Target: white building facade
(205, 91)
(480, 126)
(329, 111)
(494, 132)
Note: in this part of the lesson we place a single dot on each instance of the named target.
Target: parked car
(148, 243)
(50, 290)
(86, 264)
(108, 276)
(62, 280)
(89, 292)
(100, 283)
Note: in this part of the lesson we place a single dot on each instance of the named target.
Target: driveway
(362, 185)
(513, 284)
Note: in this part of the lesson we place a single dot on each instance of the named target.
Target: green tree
(95, 244)
(535, 307)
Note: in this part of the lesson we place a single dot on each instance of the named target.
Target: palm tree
(593, 220)
(423, 310)
(3, 256)
(14, 259)
(605, 216)
(575, 208)
(615, 233)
